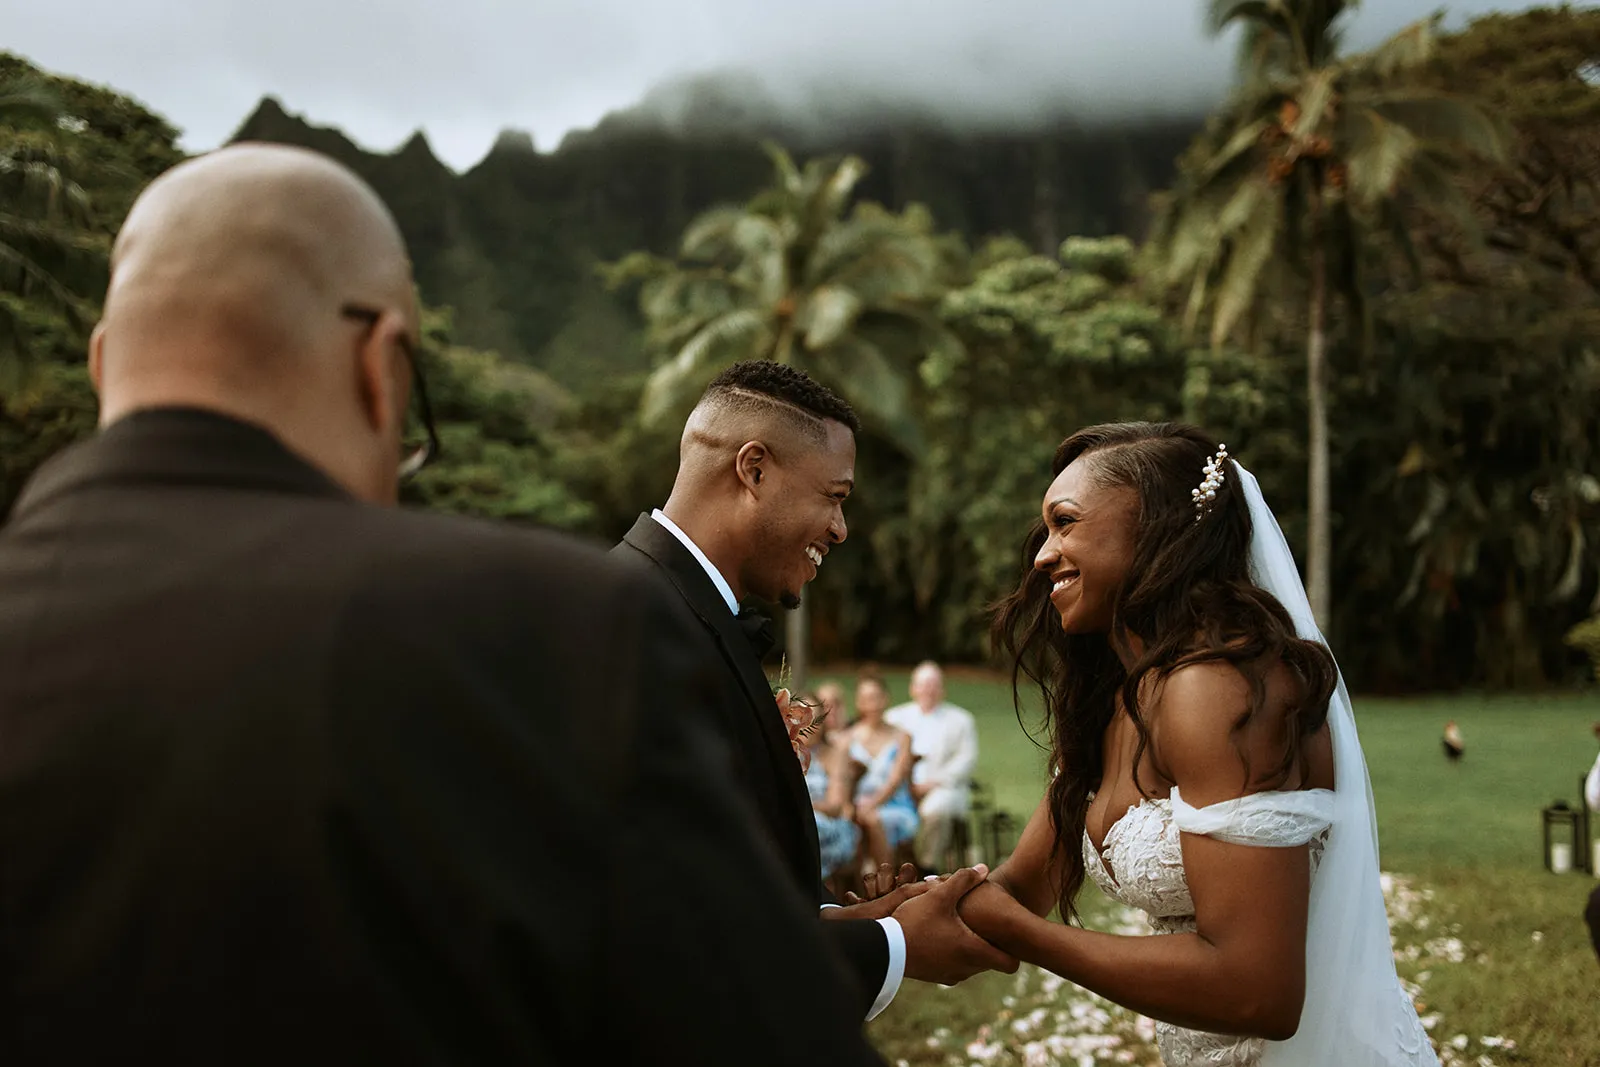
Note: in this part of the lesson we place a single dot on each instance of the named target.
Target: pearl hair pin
(1215, 473)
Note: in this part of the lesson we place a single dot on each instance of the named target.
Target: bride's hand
(881, 882)
(892, 894)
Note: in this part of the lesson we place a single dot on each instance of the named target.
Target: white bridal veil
(1356, 1014)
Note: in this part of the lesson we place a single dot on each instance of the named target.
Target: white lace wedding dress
(1141, 865)
(1356, 1013)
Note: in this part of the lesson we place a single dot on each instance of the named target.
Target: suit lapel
(695, 586)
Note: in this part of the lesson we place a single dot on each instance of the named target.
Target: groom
(766, 462)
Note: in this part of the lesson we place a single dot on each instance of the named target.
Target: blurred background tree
(1460, 323)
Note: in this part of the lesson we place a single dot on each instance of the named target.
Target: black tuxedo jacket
(285, 778)
(763, 761)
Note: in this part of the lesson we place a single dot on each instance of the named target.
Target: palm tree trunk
(797, 629)
(783, 348)
(1320, 532)
(798, 646)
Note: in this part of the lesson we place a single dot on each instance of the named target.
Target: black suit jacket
(285, 778)
(763, 761)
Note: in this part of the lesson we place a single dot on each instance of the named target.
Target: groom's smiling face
(1088, 546)
(797, 514)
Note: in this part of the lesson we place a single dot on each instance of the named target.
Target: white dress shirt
(1591, 786)
(945, 740)
(891, 927)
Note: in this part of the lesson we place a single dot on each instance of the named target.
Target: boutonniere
(802, 718)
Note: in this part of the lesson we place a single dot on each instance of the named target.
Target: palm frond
(721, 233)
(633, 268)
(1199, 290)
(866, 238)
(1315, 96)
(875, 387)
(32, 274)
(787, 173)
(1403, 53)
(1224, 13)
(841, 185)
(1238, 148)
(1378, 151)
(701, 293)
(1441, 118)
(1254, 246)
(746, 331)
(1433, 183)
(827, 314)
(1247, 202)
(1196, 233)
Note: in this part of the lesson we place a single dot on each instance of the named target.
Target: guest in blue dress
(829, 779)
(837, 832)
(884, 809)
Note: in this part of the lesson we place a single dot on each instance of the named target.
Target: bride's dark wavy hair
(1188, 598)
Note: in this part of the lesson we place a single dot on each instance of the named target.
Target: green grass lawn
(1500, 945)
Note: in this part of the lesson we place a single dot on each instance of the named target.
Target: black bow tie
(758, 628)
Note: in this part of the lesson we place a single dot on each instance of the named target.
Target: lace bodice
(1141, 865)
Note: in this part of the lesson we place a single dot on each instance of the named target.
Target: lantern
(1560, 837)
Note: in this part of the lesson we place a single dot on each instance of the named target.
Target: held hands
(884, 893)
(939, 946)
(883, 881)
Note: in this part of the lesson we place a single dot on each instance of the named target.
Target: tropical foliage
(496, 423)
(1459, 325)
(1278, 199)
(50, 255)
(798, 276)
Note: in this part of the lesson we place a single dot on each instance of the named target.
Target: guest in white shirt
(944, 739)
(1591, 796)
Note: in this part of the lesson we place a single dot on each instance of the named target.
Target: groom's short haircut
(764, 388)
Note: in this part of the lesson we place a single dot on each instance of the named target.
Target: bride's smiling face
(1088, 547)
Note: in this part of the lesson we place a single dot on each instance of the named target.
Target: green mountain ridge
(512, 243)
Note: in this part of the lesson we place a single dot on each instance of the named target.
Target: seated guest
(1591, 797)
(290, 775)
(884, 809)
(944, 739)
(830, 776)
(831, 695)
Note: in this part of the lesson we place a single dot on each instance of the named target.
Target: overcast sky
(465, 69)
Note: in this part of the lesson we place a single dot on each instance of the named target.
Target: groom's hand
(882, 881)
(879, 907)
(939, 946)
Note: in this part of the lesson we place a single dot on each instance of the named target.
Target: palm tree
(849, 296)
(48, 256)
(1314, 153)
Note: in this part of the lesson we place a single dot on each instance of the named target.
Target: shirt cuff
(826, 906)
(897, 966)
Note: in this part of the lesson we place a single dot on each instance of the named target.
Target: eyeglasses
(421, 454)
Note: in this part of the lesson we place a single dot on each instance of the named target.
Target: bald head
(927, 685)
(231, 284)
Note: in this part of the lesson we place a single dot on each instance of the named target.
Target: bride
(1206, 769)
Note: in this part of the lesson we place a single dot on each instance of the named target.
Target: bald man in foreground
(289, 776)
